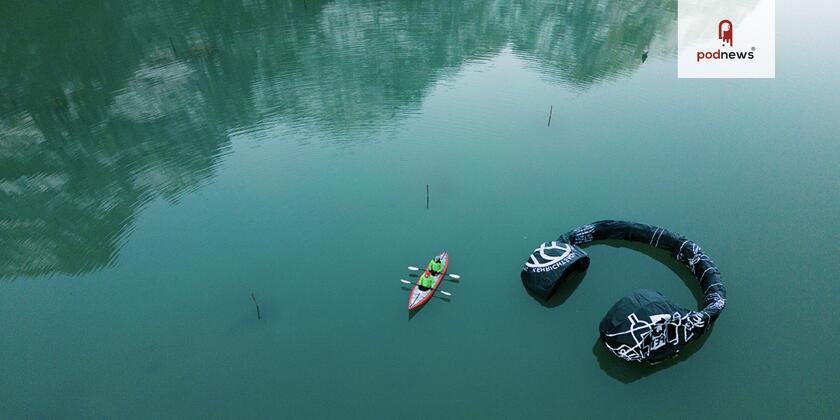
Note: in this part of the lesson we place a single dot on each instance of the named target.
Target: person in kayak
(427, 280)
(435, 266)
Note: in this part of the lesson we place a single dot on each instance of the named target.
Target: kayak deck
(418, 297)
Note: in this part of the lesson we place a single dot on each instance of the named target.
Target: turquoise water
(161, 162)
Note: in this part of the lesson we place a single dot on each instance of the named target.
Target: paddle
(438, 290)
(453, 276)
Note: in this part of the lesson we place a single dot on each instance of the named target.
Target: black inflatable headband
(645, 325)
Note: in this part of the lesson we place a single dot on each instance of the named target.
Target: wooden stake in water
(550, 111)
(254, 298)
(427, 196)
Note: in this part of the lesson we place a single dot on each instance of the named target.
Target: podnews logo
(725, 31)
(722, 39)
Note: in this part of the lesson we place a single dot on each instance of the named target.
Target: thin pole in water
(427, 196)
(550, 111)
(254, 298)
(172, 45)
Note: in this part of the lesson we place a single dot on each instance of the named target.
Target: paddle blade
(445, 293)
(454, 276)
(412, 268)
(406, 281)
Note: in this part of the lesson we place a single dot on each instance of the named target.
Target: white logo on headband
(548, 260)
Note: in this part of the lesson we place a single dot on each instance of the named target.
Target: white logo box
(704, 52)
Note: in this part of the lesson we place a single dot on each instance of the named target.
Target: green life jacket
(427, 281)
(435, 266)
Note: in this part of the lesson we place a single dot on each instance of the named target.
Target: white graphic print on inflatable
(547, 260)
(661, 330)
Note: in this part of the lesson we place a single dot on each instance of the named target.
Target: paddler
(435, 266)
(427, 280)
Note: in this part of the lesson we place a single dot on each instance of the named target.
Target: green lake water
(161, 161)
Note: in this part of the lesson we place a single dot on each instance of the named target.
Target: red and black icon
(725, 31)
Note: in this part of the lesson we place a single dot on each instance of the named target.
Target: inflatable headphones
(644, 325)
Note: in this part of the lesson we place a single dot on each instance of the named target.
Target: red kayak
(419, 297)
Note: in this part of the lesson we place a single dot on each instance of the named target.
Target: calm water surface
(160, 162)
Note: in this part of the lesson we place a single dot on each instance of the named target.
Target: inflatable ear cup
(644, 325)
(550, 265)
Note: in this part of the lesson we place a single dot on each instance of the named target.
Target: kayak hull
(417, 298)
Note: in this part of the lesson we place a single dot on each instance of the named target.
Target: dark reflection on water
(629, 372)
(107, 105)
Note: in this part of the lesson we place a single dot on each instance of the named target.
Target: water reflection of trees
(582, 42)
(106, 105)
